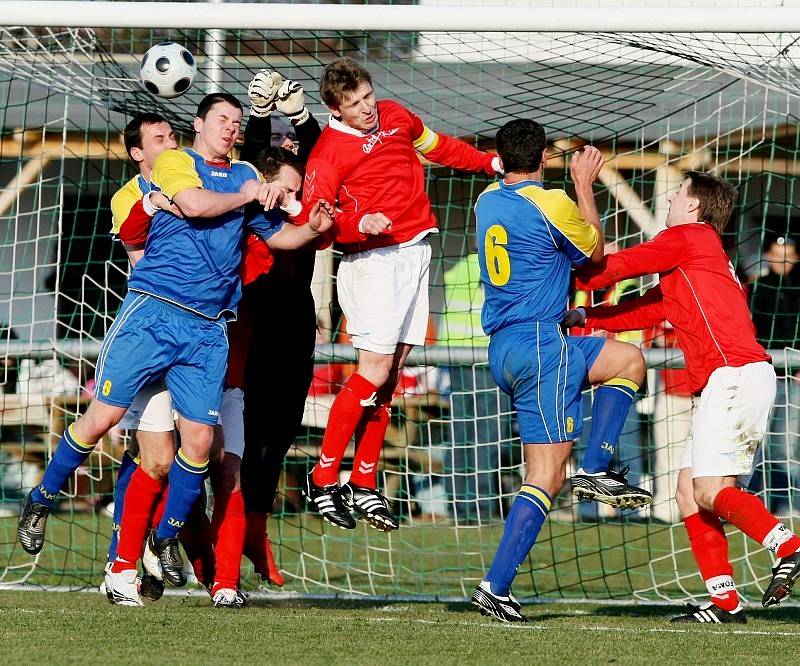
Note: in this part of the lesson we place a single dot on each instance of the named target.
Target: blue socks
(609, 412)
(185, 486)
(126, 469)
(525, 520)
(69, 455)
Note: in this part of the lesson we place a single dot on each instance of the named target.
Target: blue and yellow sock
(185, 486)
(126, 469)
(612, 401)
(525, 520)
(70, 454)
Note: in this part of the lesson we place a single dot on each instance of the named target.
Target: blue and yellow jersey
(194, 262)
(528, 238)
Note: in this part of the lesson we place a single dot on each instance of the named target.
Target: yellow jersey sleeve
(564, 214)
(174, 172)
(122, 202)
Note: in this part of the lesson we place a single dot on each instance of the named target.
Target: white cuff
(148, 205)
(497, 166)
(361, 225)
(300, 117)
(293, 209)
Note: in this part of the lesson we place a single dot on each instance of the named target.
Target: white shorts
(231, 418)
(730, 420)
(384, 296)
(151, 410)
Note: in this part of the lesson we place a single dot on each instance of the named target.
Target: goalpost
(659, 91)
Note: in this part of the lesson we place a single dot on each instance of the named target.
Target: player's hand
(374, 224)
(576, 317)
(271, 195)
(585, 165)
(321, 217)
(263, 91)
(251, 189)
(162, 202)
(291, 102)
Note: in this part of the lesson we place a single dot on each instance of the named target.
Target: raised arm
(584, 167)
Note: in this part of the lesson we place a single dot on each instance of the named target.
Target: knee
(704, 498)
(376, 371)
(549, 480)
(156, 469)
(684, 498)
(635, 366)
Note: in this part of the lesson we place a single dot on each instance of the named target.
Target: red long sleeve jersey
(380, 172)
(698, 294)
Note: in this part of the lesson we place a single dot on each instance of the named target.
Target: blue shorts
(151, 339)
(544, 372)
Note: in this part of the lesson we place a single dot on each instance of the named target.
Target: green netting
(655, 104)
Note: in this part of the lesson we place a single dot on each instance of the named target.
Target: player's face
(218, 131)
(682, 206)
(359, 109)
(289, 178)
(156, 138)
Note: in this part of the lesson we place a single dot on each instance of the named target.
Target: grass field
(56, 628)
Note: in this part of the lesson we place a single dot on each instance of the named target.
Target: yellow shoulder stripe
(563, 213)
(174, 172)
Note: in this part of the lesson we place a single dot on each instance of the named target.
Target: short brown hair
(342, 76)
(716, 196)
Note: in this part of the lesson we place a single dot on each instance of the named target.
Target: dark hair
(340, 77)
(270, 160)
(133, 130)
(215, 98)
(716, 196)
(520, 144)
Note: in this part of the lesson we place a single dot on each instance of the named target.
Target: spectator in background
(775, 298)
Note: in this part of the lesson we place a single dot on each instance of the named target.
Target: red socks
(750, 515)
(196, 541)
(369, 443)
(710, 549)
(140, 500)
(346, 412)
(158, 514)
(258, 549)
(227, 533)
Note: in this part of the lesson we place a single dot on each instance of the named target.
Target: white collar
(339, 126)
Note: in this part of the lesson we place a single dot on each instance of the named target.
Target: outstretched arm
(632, 315)
(447, 151)
(292, 236)
(659, 255)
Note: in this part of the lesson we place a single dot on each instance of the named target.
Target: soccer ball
(167, 70)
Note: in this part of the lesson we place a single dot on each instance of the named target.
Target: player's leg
(228, 521)
(729, 425)
(619, 369)
(709, 546)
(273, 414)
(128, 360)
(150, 414)
(375, 305)
(544, 377)
(545, 473)
(195, 382)
(361, 492)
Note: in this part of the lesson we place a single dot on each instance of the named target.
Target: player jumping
(528, 239)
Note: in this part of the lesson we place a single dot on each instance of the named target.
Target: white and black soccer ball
(167, 70)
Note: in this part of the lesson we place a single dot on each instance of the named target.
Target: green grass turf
(56, 628)
(570, 560)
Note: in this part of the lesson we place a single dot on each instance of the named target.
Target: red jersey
(698, 294)
(380, 172)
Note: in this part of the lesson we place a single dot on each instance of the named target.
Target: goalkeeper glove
(291, 102)
(263, 91)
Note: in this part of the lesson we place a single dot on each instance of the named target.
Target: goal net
(656, 103)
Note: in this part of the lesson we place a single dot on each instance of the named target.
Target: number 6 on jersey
(498, 263)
